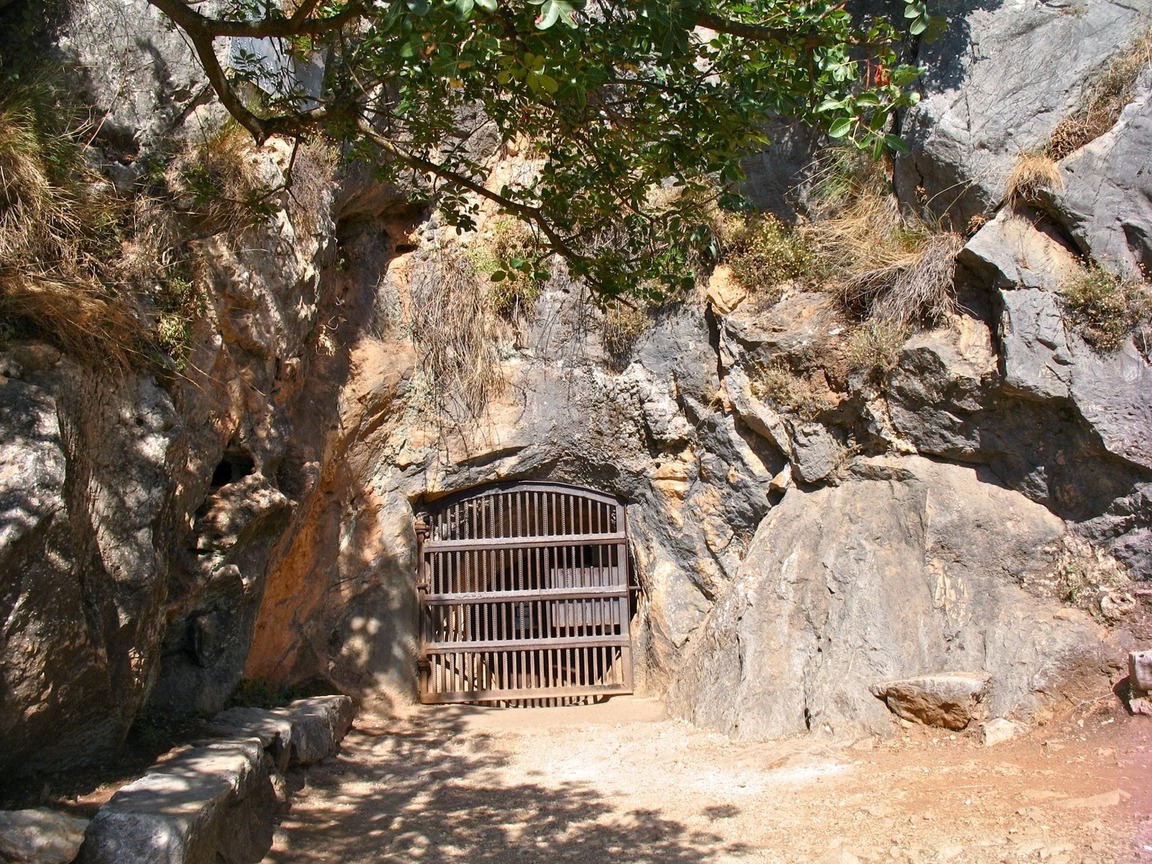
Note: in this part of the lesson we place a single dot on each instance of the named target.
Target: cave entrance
(524, 595)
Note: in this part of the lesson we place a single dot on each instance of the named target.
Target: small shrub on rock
(874, 348)
(217, 179)
(779, 385)
(511, 264)
(768, 254)
(1104, 308)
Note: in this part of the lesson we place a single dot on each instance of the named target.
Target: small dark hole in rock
(236, 465)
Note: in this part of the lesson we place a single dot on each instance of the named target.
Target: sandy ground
(619, 782)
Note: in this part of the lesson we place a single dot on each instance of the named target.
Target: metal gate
(524, 595)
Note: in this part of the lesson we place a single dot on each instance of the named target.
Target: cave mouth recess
(524, 595)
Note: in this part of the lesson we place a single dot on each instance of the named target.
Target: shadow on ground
(428, 790)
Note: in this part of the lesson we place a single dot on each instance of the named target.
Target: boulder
(40, 836)
(998, 731)
(947, 701)
(1106, 204)
(1017, 249)
(815, 452)
(915, 567)
(85, 467)
(213, 804)
(997, 82)
(1140, 671)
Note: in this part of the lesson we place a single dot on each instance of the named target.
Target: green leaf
(549, 15)
(417, 7)
(498, 276)
(918, 26)
(487, 5)
(840, 128)
(895, 142)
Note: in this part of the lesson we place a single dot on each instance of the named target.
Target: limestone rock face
(1107, 200)
(164, 537)
(999, 80)
(153, 77)
(815, 620)
(82, 541)
(1097, 404)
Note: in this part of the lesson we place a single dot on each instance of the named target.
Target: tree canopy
(633, 109)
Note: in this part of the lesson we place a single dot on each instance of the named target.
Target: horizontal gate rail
(526, 542)
(593, 592)
(524, 595)
(512, 693)
(526, 644)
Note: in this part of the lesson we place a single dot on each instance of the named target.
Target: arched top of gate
(521, 510)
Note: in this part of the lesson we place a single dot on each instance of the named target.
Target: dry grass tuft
(889, 269)
(1032, 176)
(81, 320)
(622, 327)
(456, 332)
(1105, 101)
(59, 229)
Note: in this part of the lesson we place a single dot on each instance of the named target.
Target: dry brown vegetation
(621, 328)
(1033, 175)
(1104, 102)
(777, 383)
(216, 179)
(111, 277)
(881, 264)
(456, 331)
(58, 230)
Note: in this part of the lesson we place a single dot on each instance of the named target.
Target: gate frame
(619, 591)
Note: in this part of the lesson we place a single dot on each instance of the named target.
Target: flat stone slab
(319, 724)
(949, 701)
(40, 836)
(274, 731)
(213, 804)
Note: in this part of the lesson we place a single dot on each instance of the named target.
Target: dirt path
(617, 782)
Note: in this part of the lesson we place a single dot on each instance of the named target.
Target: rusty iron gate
(524, 595)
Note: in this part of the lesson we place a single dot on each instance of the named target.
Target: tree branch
(262, 28)
(758, 33)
